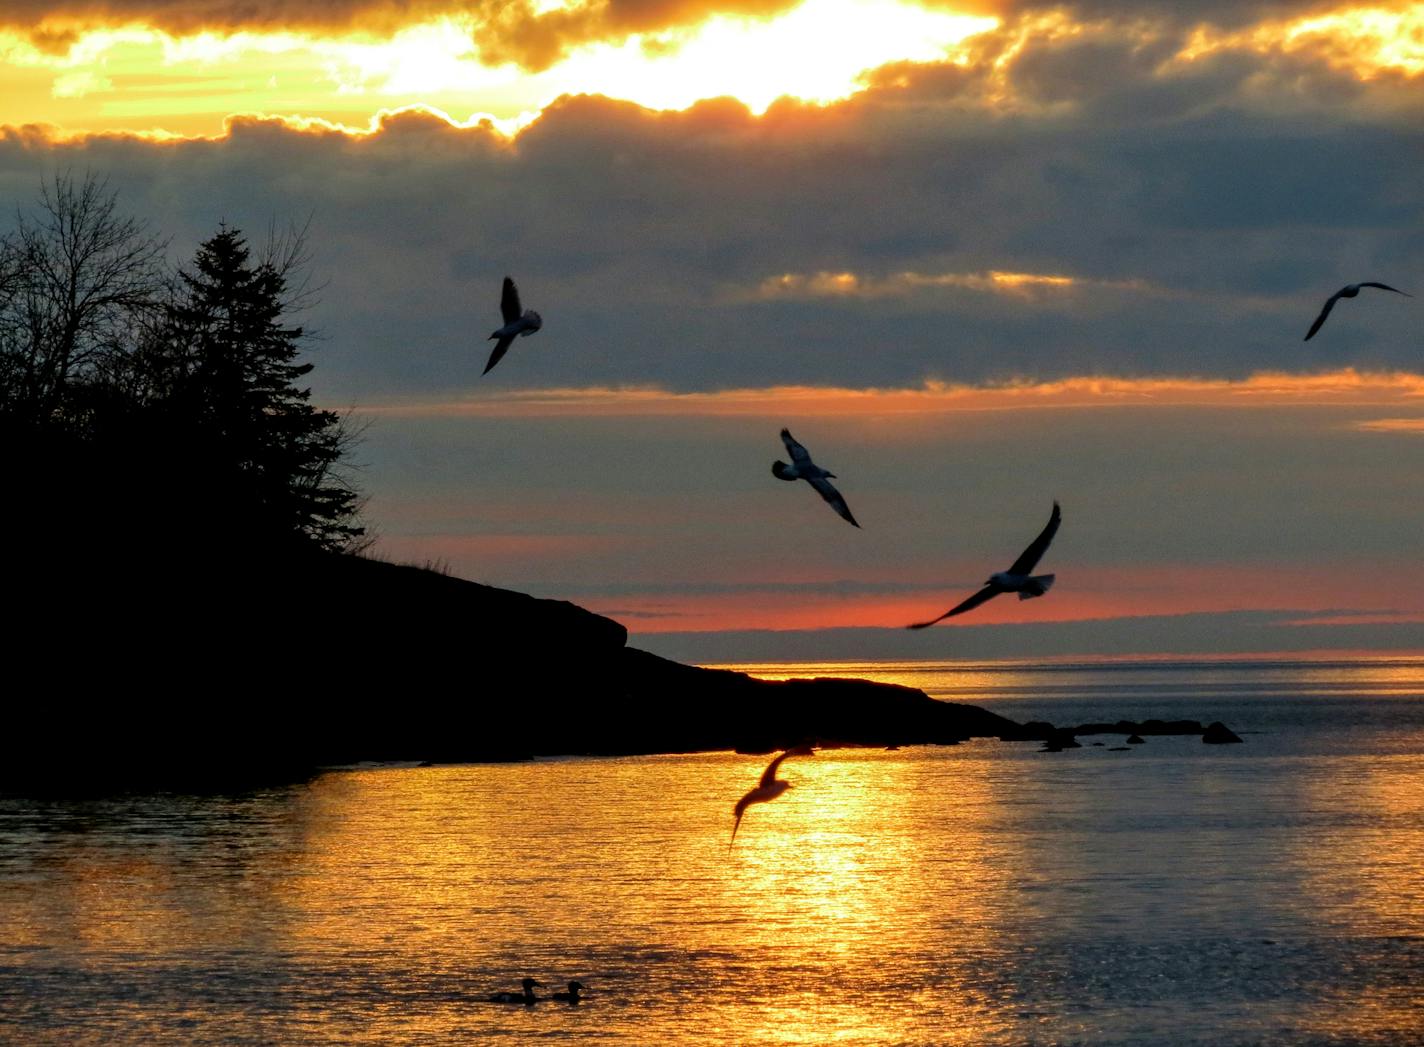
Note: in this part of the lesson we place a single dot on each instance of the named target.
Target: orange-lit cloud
(1392, 425)
(994, 281)
(1341, 388)
(1369, 40)
(1092, 594)
(145, 75)
(150, 65)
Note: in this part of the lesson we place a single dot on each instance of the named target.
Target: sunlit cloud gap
(816, 52)
(135, 78)
(1368, 40)
(1266, 389)
(853, 285)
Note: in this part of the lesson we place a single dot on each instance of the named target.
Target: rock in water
(1219, 734)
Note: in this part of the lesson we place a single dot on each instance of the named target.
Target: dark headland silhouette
(183, 601)
(173, 672)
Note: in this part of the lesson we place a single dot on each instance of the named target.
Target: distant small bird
(527, 996)
(802, 468)
(572, 996)
(516, 323)
(769, 788)
(1015, 580)
(1348, 291)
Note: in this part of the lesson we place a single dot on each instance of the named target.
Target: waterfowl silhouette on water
(769, 788)
(1015, 580)
(802, 468)
(1348, 291)
(572, 996)
(527, 996)
(517, 323)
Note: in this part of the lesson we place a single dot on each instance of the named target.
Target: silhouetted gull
(769, 788)
(527, 996)
(1348, 291)
(572, 996)
(516, 323)
(802, 468)
(1015, 580)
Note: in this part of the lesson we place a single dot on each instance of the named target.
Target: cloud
(52, 21)
(1040, 47)
(1413, 426)
(1345, 388)
(1197, 246)
(1028, 286)
(1261, 633)
(912, 234)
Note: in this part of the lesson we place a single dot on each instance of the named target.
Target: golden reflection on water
(462, 879)
(959, 895)
(1359, 873)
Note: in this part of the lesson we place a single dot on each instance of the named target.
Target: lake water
(1175, 893)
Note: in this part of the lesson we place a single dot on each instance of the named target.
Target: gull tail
(1037, 586)
(779, 470)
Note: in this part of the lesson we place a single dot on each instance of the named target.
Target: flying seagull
(769, 788)
(516, 322)
(1348, 291)
(802, 468)
(1015, 580)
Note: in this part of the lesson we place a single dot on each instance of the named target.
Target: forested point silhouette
(180, 608)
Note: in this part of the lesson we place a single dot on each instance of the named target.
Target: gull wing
(1324, 312)
(833, 498)
(799, 455)
(740, 809)
(984, 594)
(1030, 556)
(1386, 287)
(500, 348)
(509, 304)
(753, 796)
(769, 775)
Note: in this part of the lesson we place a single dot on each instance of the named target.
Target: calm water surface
(1267, 893)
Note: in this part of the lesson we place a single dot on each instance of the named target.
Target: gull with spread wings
(769, 788)
(1348, 291)
(1015, 580)
(802, 468)
(516, 323)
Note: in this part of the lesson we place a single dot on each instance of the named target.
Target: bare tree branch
(79, 273)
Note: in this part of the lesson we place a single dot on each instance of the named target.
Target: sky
(977, 257)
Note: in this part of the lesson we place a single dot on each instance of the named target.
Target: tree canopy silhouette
(178, 394)
(234, 387)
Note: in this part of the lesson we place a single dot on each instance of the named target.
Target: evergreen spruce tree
(262, 454)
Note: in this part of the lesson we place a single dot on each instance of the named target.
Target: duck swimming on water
(527, 996)
(572, 996)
